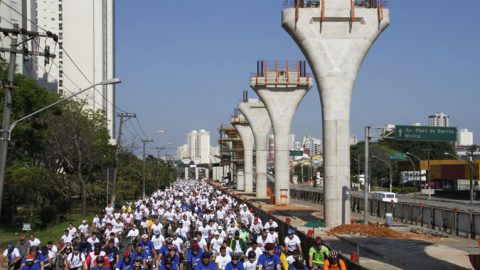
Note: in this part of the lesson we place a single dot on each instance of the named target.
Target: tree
(80, 140)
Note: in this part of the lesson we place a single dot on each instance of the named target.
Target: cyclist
(334, 262)
(93, 257)
(149, 249)
(23, 246)
(137, 264)
(75, 260)
(298, 264)
(206, 263)
(112, 252)
(317, 254)
(126, 263)
(194, 255)
(235, 264)
(28, 264)
(222, 259)
(37, 258)
(13, 256)
(269, 260)
(168, 264)
(100, 264)
(251, 262)
(292, 242)
(139, 253)
(64, 252)
(172, 256)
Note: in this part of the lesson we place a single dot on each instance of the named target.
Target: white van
(385, 196)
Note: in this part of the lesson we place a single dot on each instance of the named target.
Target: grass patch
(52, 233)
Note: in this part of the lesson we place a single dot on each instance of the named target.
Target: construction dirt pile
(375, 231)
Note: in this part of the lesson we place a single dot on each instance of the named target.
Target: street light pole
(419, 171)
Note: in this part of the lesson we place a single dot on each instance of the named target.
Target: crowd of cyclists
(188, 226)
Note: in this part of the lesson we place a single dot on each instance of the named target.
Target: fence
(450, 220)
(283, 227)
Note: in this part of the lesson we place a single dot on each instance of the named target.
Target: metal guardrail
(283, 227)
(451, 221)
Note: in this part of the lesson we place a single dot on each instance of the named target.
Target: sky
(184, 65)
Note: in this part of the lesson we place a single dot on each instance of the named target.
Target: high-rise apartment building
(203, 146)
(438, 120)
(313, 144)
(182, 151)
(464, 137)
(85, 51)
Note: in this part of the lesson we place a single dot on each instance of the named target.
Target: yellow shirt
(283, 261)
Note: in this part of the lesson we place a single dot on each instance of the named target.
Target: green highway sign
(423, 133)
(399, 156)
(296, 153)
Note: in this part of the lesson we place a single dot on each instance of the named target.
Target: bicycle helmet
(169, 240)
(251, 254)
(290, 231)
(10, 246)
(236, 256)
(126, 253)
(333, 254)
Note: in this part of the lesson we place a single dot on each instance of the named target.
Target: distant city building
(203, 146)
(314, 145)
(215, 151)
(438, 120)
(464, 137)
(198, 144)
(182, 151)
(417, 124)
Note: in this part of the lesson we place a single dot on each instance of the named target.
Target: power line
(23, 16)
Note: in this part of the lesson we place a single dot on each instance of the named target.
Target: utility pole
(428, 172)
(14, 33)
(144, 165)
(123, 118)
(471, 159)
(365, 177)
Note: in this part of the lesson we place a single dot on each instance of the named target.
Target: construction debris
(375, 231)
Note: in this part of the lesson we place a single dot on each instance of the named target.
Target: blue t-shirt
(230, 266)
(210, 266)
(123, 265)
(194, 259)
(174, 267)
(292, 267)
(175, 261)
(147, 247)
(268, 263)
(142, 256)
(100, 268)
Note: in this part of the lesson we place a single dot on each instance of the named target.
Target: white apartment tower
(192, 144)
(182, 151)
(438, 120)
(464, 137)
(86, 31)
(203, 146)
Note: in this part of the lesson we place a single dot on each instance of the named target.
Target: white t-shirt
(66, 238)
(158, 241)
(258, 251)
(35, 242)
(83, 228)
(292, 243)
(202, 243)
(72, 231)
(156, 228)
(222, 261)
(262, 243)
(216, 244)
(247, 265)
(15, 253)
(178, 243)
(108, 210)
(76, 261)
